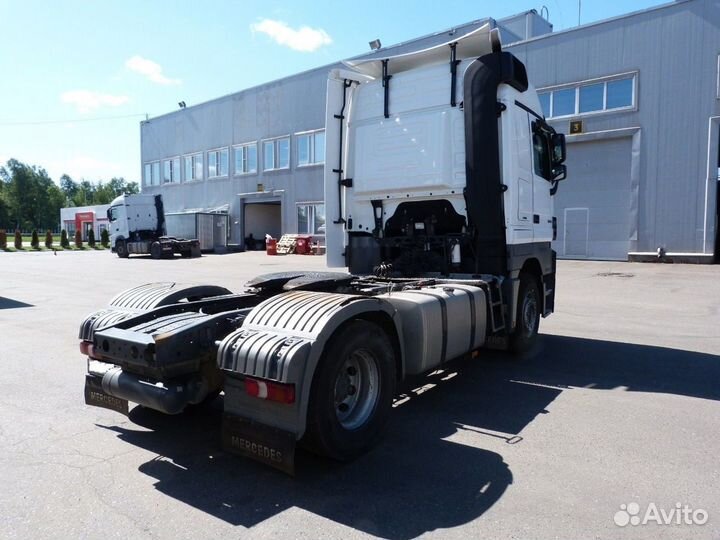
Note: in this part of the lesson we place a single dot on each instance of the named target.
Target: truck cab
(136, 217)
(443, 172)
(137, 225)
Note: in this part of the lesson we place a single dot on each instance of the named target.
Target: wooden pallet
(287, 243)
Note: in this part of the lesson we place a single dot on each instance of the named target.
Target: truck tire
(195, 251)
(156, 250)
(121, 249)
(525, 334)
(352, 392)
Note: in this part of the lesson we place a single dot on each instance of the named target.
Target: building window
(171, 171)
(545, 103)
(619, 94)
(245, 158)
(156, 173)
(590, 97)
(563, 102)
(276, 154)
(311, 218)
(217, 163)
(193, 167)
(311, 148)
(152, 174)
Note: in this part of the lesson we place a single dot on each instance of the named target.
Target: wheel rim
(529, 314)
(357, 387)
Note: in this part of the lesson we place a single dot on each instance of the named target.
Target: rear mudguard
(144, 298)
(283, 339)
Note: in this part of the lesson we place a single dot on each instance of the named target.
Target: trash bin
(270, 246)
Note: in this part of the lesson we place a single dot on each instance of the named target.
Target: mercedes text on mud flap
(439, 184)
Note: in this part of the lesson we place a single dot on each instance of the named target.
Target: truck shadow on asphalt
(414, 481)
(9, 303)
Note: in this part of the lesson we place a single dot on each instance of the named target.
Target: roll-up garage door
(593, 204)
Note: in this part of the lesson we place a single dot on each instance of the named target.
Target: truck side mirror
(559, 172)
(558, 148)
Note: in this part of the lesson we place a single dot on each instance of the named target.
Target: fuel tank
(439, 323)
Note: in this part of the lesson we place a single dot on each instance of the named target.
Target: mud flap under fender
(97, 397)
(269, 445)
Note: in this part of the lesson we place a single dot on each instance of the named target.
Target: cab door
(542, 205)
(524, 167)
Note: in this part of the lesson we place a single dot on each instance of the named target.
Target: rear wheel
(352, 392)
(121, 249)
(525, 334)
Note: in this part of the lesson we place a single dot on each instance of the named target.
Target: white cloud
(151, 70)
(86, 101)
(304, 39)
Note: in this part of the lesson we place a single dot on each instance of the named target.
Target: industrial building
(637, 95)
(84, 219)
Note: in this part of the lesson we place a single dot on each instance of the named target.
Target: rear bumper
(112, 388)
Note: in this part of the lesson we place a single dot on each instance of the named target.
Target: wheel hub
(356, 389)
(529, 313)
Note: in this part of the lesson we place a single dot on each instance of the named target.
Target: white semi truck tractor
(439, 183)
(137, 226)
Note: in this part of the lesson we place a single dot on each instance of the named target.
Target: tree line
(30, 199)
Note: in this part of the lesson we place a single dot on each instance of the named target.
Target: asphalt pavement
(609, 429)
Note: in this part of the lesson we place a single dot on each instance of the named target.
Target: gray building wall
(646, 176)
(276, 109)
(674, 49)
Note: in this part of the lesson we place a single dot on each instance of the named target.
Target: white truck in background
(439, 183)
(137, 226)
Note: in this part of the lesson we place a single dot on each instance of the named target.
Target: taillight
(87, 348)
(273, 391)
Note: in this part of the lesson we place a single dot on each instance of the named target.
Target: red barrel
(271, 246)
(302, 245)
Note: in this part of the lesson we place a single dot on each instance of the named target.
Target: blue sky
(78, 76)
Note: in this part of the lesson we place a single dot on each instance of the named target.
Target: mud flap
(271, 446)
(95, 396)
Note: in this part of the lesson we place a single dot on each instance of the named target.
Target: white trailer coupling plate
(269, 445)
